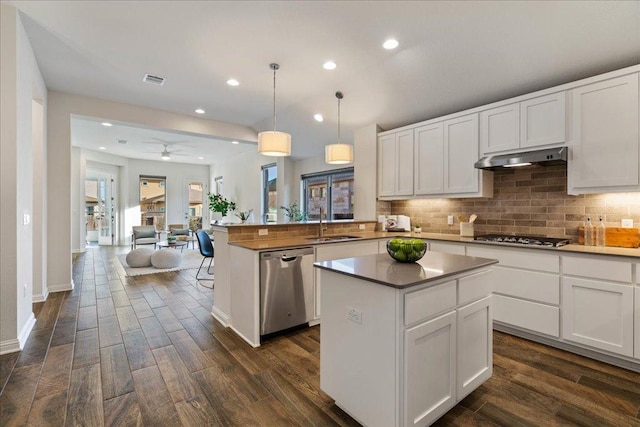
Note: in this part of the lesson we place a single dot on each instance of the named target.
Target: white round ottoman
(140, 257)
(166, 258)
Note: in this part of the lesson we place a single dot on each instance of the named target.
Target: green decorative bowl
(406, 250)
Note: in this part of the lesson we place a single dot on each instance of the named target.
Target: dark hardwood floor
(146, 351)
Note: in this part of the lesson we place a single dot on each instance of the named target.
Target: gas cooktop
(503, 239)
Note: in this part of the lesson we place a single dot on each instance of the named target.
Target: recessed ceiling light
(102, 148)
(200, 158)
(200, 111)
(107, 124)
(318, 117)
(233, 82)
(329, 65)
(390, 44)
(235, 142)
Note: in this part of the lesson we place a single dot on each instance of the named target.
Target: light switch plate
(627, 223)
(450, 220)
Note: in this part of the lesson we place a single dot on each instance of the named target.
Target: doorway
(100, 209)
(194, 193)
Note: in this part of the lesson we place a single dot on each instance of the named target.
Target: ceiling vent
(122, 141)
(155, 80)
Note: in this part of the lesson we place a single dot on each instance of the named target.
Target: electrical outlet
(450, 220)
(354, 315)
(361, 227)
(263, 231)
(627, 223)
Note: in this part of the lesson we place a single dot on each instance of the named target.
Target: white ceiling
(452, 56)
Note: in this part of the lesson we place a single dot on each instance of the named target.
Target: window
(332, 191)
(269, 193)
(152, 201)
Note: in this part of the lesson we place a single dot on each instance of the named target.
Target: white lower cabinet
(475, 346)
(337, 251)
(449, 248)
(598, 314)
(430, 370)
(637, 325)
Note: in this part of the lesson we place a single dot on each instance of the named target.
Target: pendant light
(338, 153)
(274, 143)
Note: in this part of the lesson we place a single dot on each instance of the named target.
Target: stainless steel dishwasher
(286, 289)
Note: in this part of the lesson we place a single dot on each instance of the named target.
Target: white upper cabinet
(543, 120)
(460, 153)
(605, 137)
(395, 164)
(500, 129)
(531, 123)
(429, 158)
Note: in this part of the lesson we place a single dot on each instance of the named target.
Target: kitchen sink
(332, 238)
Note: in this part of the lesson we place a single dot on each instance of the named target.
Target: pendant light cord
(274, 96)
(339, 96)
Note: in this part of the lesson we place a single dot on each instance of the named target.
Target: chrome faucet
(321, 231)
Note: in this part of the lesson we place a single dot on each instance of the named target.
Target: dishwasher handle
(288, 258)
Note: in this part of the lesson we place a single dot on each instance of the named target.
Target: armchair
(183, 233)
(144, 235)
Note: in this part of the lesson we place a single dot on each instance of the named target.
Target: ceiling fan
(166, 154)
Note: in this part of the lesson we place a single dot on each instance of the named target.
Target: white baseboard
(40, 297)
(61, 287)
(248, 341)
(13, 345)
(79, 251)
(9, 346)
(220, 316)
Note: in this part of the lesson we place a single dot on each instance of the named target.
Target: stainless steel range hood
(549, 156)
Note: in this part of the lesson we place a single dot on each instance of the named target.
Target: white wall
(38, 219)
(20, 83)
(365, 188)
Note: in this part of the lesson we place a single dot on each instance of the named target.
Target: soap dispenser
(589, 233)
(601, 233)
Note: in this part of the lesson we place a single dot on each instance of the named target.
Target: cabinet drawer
(605, 269)
(425, 303)
(449, 248)
(532, 259)
(531, 285)
(526, 314)
(475, 286)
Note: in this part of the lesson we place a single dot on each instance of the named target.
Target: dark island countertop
(384, 270)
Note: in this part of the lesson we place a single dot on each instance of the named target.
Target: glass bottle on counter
(601, 232)
(589, 233)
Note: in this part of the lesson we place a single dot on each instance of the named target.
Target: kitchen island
(401, 344)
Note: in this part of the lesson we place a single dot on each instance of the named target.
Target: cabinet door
(429, 370)
(598, 314)
(543, 120)
(500, 129)
(404, 163)
(461, 152)
(429, 155)
(475, 346)
(387, 165)
(605, 126)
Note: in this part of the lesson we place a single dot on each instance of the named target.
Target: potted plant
(218, 203)
(294, 213)
(244, 215)
(417, 228)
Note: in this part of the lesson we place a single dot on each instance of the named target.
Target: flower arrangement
(218, 203)
(294, 213)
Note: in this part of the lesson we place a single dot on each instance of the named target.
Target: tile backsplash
(530, 201)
